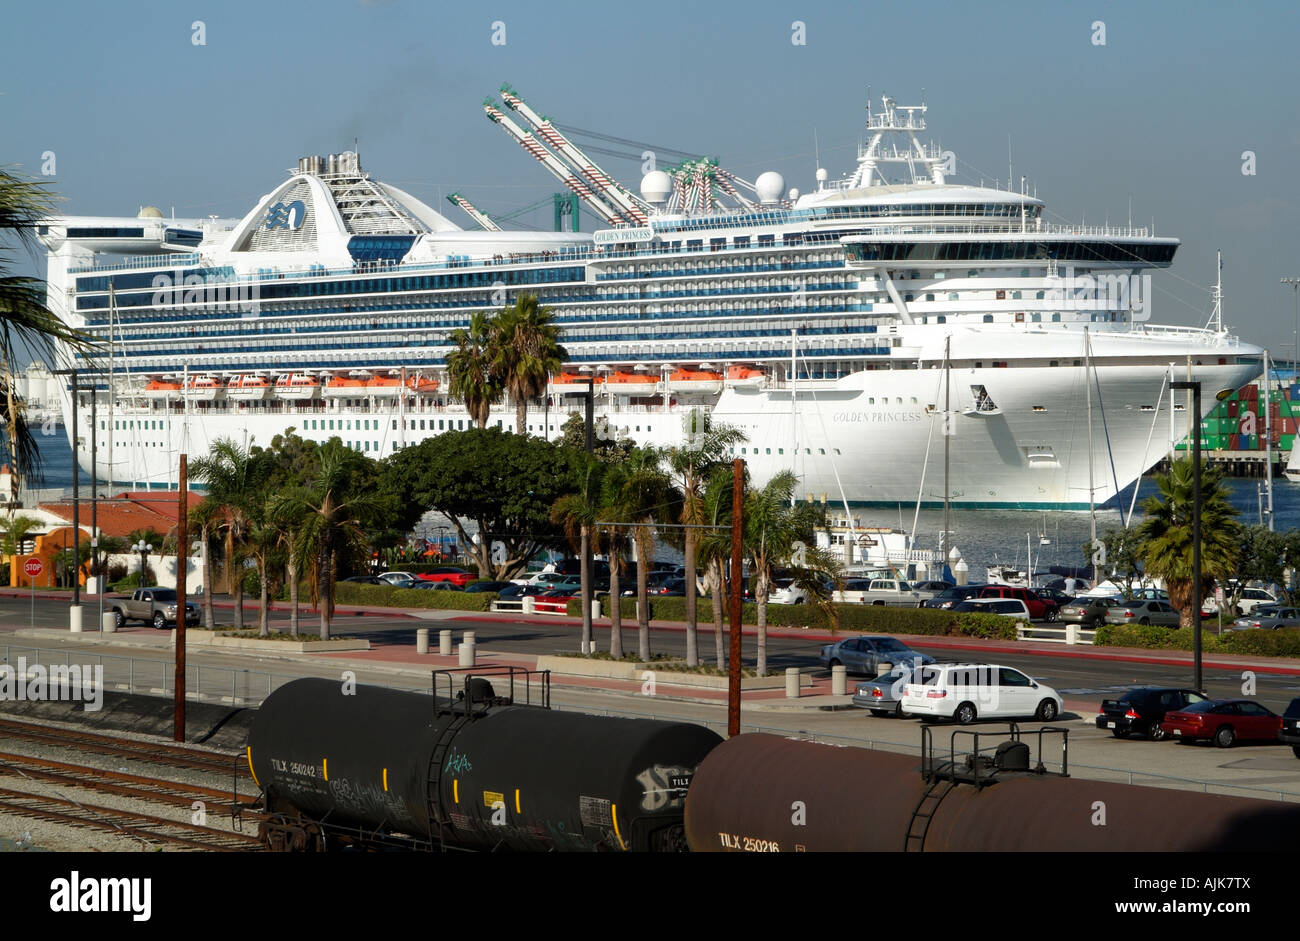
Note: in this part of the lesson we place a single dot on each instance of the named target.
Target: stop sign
(33, 567)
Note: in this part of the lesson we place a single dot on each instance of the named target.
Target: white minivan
(965, 692)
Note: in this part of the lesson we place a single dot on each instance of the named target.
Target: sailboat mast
(794, 422)
(947, 442)
(112, 390)
(1268, 438)
(1087, 381)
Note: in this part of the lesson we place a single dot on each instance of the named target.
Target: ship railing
(175, 260)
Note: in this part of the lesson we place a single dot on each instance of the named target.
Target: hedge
(390, 596)
(852, 617)
(1255, 641)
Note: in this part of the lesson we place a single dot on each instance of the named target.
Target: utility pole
(737, 580)
(585, 563)
(182, 569)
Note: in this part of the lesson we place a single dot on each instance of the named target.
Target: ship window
(952, 295)
(988, 318)
(872, 400)
(821, 450)
(1054, 362)
(1039, 295)
(767, 450)
(440, 424)
(836, 450)
(807, 450)
(780, 450)
(1036, 318)
(941, 319)
(331, 424)
(394, 424)
(1056, 318)
(929, 297)
(1020, 317)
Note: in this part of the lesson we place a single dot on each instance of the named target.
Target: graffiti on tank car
(458, 763)
(665, 786)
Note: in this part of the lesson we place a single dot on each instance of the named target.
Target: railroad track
(176, 756)
(144, 827)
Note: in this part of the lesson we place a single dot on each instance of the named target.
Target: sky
(1179, 112)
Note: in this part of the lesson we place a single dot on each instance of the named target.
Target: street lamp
(144, 549)
(1295, 361)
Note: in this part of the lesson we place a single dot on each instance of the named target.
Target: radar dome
(150, 212)
(769, 186)
(655, 186)
(822, 175)
(793, 194)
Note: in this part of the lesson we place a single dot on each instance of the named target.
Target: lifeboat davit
(296, 385)
(695, 380)
(247, 387)
(386, 386)
(568, 382)
(747, 377)
(161, 389)
(344, 386)
(203, 388)
(627, 383)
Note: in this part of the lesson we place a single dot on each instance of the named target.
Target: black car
(1054, 594)
(1290, 731)
(952, 596)
(487, 586)
(1142, 709)
(366, 580)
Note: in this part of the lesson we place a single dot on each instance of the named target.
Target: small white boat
(248, 387)
(1293, 465)
(296, 385)
(203, 388)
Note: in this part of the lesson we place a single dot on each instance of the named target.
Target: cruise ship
(847, 331)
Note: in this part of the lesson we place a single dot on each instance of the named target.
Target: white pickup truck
(892, 592)
(156, 606)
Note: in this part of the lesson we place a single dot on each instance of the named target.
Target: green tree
(707, 446)
(526, 351)
(771, 531)
(236, 479)
(615, 513)
(262, 541)
(205, 518)
(27, 326)
(337, 507)
(576, 513)
(715, 547)
(607, 447)
(15, 532)
(1260, 555)
(500, 484)
(471, 368)
(1165, 535)
(293, 463)
(1123, 565)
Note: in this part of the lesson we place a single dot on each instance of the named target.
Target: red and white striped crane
(474, 213)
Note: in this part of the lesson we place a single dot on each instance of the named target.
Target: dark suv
(1290, 731)
(951, 596)
(1143, 709)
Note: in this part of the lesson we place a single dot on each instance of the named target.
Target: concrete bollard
(1071, 634)
(422, 640)
(444, 643)
(109, 622)
(791, 682)
(466, 655)
(74, 617)
(530, 604)
(595, 609)
(883, 669)
(839, 680)
(468, 638)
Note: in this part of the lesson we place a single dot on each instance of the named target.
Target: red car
(1040, 609)
(1224, 721)
(448, 573)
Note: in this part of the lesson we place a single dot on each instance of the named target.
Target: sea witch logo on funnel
(55, 683)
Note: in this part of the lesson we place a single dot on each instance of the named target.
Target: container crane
(628, 205)
(550, 162)
(480, 217)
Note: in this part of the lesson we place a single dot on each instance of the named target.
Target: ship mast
(947, 441)
(1092, 506)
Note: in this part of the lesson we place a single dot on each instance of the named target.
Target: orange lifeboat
(248, 387)
(695, 380)
(421, 386)
(386, 386)
(344, 386)
(569, 382)
(744, 376)
(296, 385)
(161, 389)
(203, 388)
(627, 383)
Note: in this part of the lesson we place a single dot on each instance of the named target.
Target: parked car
(955, 595)
(1087, 611)
(1039, 608)
(517, 592)
(937, 586)
(487, 586)
(1055, 595)
(560, 594)
(399, 579)
(1252, 598)
(437, 586)
(1142, 709)
(1269, 618)
(1290, 730)
(1223, 721)
(1007, 607)
(965, 692)
(673, 588)
(871, 654)
(1143, 612)
(787, 591)
(883, 695)
(448, 573)
(365, 580)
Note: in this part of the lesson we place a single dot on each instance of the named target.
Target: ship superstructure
(845, 331)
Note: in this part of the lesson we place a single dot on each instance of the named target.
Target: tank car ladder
(924, 812)
(434, 795)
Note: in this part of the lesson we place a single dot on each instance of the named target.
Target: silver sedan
(1143, 612)
(1270, 619)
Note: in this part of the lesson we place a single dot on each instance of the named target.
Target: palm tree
(613, 507)
(715, 546)
(235, 480)
(15, 530)
(27, 326)
(335, 512)
(770, 534)
(648, 497)
(706, 447)
(470, 368)
(205, 518)
(287, 516)
(1165, 542)
(526, 352)
(262, 540)
(576, 513)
